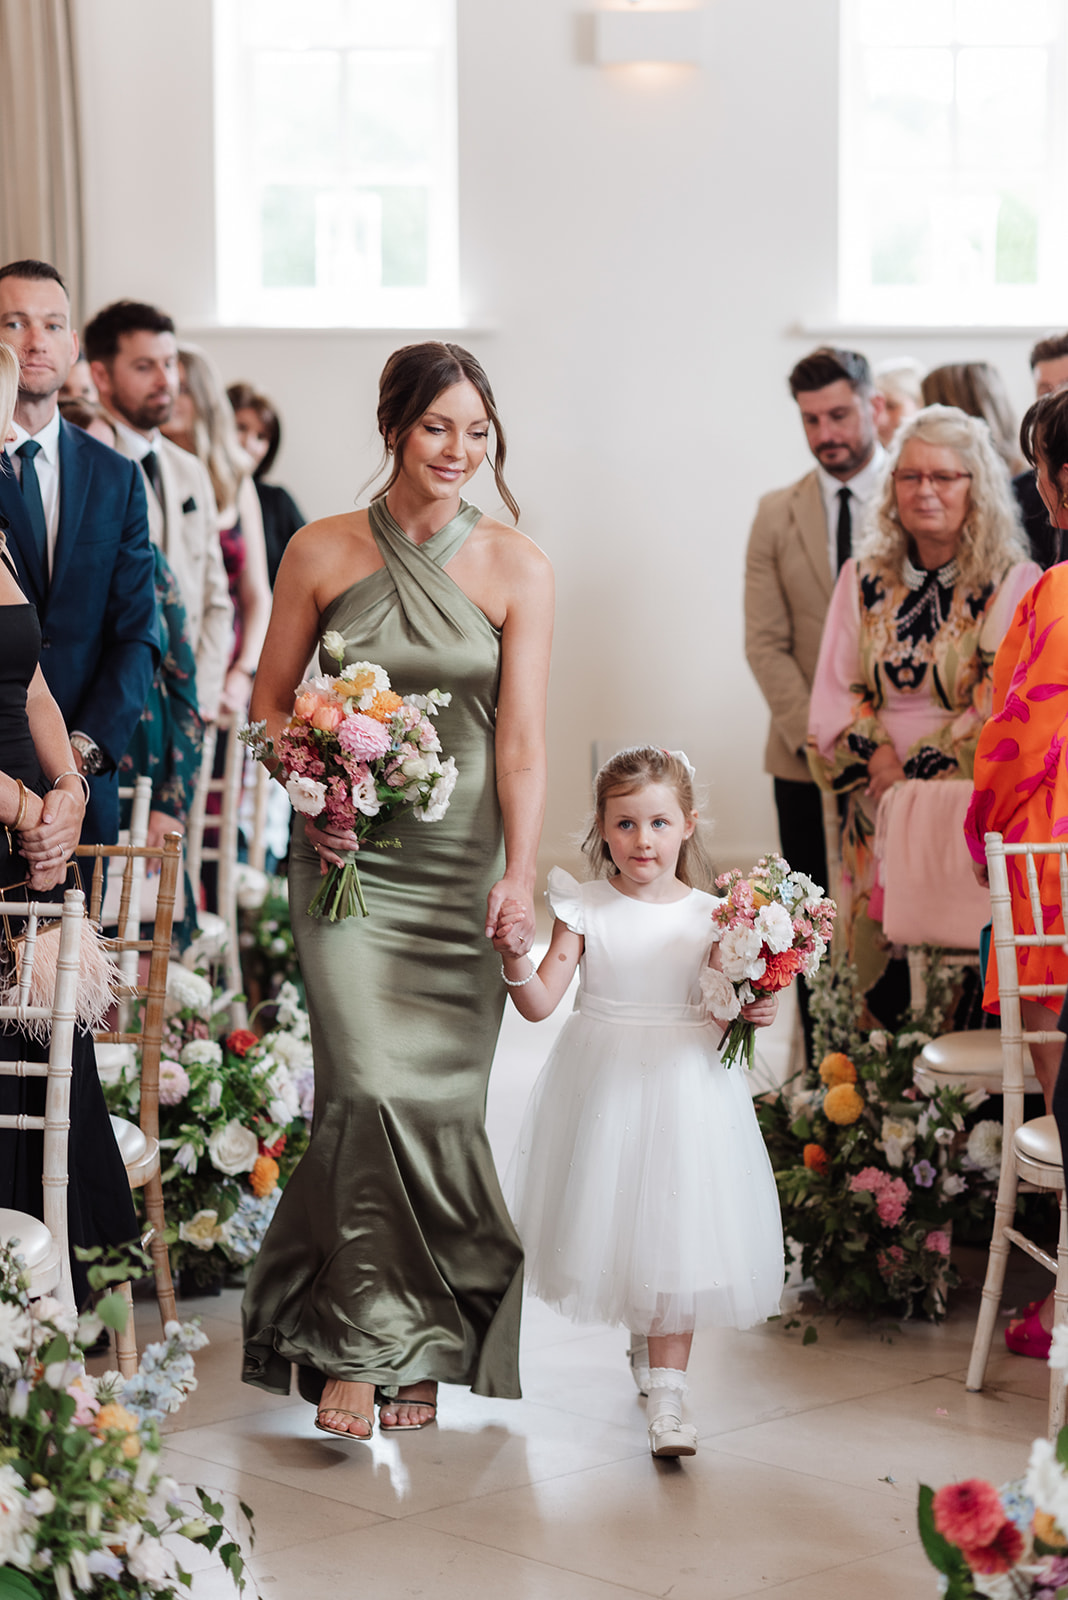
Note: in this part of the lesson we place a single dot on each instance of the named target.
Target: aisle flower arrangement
(1007, 1543)
(85, 1506)
(356, 754)
(873, 1176)
(234, 1116)
(268, 951)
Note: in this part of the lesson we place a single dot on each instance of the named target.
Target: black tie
(844, 539)
(31, 494)
(151, 470)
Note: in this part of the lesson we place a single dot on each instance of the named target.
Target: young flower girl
(642, 1190)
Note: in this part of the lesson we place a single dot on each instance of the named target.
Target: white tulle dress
(640, 1185)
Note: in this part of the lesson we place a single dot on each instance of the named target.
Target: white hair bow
(680, 755)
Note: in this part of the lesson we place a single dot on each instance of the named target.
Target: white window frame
(945, 304)
(242, 299)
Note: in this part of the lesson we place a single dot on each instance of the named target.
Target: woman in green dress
(392, 1263)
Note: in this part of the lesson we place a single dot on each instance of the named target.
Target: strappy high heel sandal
(346, 1433)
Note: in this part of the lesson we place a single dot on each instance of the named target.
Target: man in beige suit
(799, 540)
(133, 355)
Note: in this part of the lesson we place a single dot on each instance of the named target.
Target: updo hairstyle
(627, 772)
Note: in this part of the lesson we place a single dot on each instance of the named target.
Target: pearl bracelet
(518, 983)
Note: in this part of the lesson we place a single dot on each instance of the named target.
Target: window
(336, 162)
(953, 198)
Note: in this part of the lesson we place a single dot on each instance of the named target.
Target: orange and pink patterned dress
(1021, 770)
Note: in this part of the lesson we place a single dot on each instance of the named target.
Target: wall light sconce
(633, 36)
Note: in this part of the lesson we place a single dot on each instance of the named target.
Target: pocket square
(189, 505)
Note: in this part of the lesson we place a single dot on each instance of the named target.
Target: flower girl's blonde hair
(627, 772)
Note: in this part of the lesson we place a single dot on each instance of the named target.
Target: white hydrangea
(740, 954)
(201, 1053)
(775, 928)
(187, 991)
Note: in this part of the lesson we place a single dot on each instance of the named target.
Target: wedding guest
(260, 433)
(78, 384)
(86, 414)
(978, 389)
(133, 353)
(799, 540)
(899, 382)
(1049, 370)
(902, 686)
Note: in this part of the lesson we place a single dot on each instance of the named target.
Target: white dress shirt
(863, 488)
(47, 463)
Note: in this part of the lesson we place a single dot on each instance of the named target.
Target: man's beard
(151, 414)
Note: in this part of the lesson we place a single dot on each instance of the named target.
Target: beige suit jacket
(184, 524)
(788, 583)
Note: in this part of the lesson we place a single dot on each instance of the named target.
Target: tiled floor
(804, 1486)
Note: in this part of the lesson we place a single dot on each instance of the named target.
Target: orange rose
(816, 1159)
(328, 715)
(304, 706)
(837, 1068)
(385, 705)
(842, 1104)
(263, 1177)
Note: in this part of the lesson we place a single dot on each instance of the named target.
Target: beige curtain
(40, 193)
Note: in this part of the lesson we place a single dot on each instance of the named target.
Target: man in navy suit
(78, 534)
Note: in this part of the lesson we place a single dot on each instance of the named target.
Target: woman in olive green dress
(391, 1263)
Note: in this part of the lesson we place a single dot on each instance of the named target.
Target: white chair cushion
(1038, 1141)
(131, 1141)
(973, 1054)
(35, 1241)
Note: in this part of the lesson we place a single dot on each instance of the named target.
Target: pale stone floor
(804, 1486)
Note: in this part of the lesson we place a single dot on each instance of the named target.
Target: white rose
(720, 997)
(306, 795)
(233, 1149)
(740, 954)
(775, 928)
(440, 795)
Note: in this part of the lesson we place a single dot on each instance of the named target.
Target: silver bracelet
(72, 772)
(518, 983)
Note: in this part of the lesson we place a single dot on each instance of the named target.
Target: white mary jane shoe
(668, 1434)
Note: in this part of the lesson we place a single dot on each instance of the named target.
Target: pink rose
(363, 737)
(304, 706)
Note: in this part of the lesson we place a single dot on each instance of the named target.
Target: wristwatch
(90, 752)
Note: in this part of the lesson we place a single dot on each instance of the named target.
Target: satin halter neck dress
(391, 1257)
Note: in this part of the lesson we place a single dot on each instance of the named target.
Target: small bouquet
(355, 754)
(770, 927)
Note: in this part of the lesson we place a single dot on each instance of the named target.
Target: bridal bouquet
(771, 927)
(355, 754)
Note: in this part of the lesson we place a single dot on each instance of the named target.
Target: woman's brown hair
(627, 772)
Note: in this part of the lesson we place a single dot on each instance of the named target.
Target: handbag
(100, 982)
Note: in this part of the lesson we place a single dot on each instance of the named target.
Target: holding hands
(513, 933)
(48, 833)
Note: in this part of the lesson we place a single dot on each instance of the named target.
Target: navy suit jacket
(99, 629)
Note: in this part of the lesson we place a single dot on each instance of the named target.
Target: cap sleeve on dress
(564, 895)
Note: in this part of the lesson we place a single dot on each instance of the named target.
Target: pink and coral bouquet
(354, 755)
(770, 927)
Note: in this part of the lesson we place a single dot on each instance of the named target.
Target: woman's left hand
(53, 839)
(520, 915)
(761, 1012)
(237, 690)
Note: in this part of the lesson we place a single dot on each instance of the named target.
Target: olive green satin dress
(391, 1257)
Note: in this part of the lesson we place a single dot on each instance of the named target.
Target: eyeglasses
(941, 482)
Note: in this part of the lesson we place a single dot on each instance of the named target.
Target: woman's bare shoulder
(513, 546)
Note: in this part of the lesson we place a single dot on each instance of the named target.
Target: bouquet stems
(339, 895)
(741, 1043)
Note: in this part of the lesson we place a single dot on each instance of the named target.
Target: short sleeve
(564, 895)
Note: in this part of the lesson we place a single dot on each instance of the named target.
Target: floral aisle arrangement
(85, 1506)
(355, 754)
(234, 1115)
(1009, 1543)
(268, 952)
(872, 1175)
(771, 926)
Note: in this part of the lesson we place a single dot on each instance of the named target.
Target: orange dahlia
(816, 1158)
(385, 705)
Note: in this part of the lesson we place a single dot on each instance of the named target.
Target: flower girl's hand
(761, 1013)
(509, 935)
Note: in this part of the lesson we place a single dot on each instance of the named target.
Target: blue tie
(31, 494)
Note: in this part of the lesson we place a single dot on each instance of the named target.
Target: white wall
(640, 250)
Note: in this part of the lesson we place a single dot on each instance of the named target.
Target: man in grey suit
(133, 357)
(800, 538)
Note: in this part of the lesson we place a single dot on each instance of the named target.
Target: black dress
(100, 1207)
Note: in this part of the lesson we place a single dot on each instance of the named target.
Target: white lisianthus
(233, 1148)
(214, 1094)
(306, 795)
(897, 1137)
(953, 1184)
(740, 954)
(201, 1053)
(334, 645)
(186, 1156)
(775, 928)
(440, 795)
(281, 1088)
(983, 1149)
(365, 796)
(720, 996)
(152, 1563)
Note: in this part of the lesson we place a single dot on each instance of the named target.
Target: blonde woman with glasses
(902, 684)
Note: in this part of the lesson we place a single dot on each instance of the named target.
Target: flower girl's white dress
(641, 1186)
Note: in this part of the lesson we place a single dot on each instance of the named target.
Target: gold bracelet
(20, 815)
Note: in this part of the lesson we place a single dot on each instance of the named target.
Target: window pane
(297, 107)
(901, 244)
(390, 108)
(405, 237)
(909, 96)
(1016, 250)
(295, 27)
(395, 22)
(905, 21)
(1001, 102)
(287, 220)
(1005, 21)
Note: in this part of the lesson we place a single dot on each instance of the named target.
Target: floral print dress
(905, 662)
